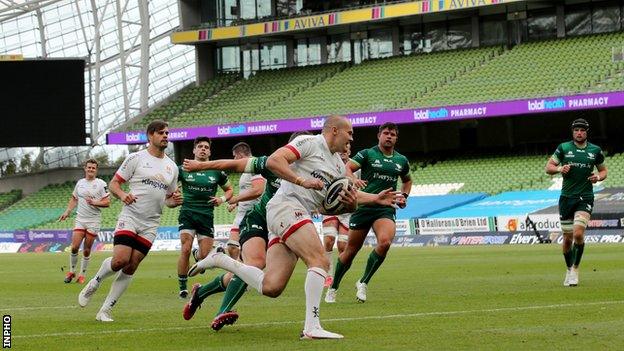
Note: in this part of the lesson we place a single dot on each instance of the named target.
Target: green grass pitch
(445, 298)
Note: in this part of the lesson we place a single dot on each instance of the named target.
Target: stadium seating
(537, 69)
(491, 175)
(43, 206)
(7, 199)
(248, 99)
(186, 99)
(381, 84)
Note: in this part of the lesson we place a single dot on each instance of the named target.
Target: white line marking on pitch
(11, 309)
(408, 315)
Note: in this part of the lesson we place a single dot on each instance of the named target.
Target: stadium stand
(248, 99)
(186, 99)
(381, 84)
(7, 199)
(531, 70)
(538, 69)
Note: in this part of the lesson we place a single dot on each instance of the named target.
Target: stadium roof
(131, 62)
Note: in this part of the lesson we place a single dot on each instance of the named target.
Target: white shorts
(142, 233)
(238, 219)
(89, 227)
(343, 220)
(287, 215)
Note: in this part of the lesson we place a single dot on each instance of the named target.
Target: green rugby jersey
(380, 171)
(198, 187)
(257, 165)
(582, 162)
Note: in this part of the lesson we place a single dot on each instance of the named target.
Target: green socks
(182, 279)
(374, 261)
(215, 286)
(235, 290)
(341, 269)
(578, 253)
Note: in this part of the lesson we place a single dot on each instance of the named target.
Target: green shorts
(568, 206)
(196, 223)
(254, 224)
(364, 217)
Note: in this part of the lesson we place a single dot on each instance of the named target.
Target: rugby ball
(331, 202)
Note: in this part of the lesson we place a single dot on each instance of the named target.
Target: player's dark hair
(389, 126)
(91, 160)
(200, 139)
(242, 148)
(156, 126)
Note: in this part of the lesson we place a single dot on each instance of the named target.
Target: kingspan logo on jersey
(323, 176)
(155, 183)
(540, 105)
(430, 114)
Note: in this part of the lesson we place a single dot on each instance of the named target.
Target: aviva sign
(329, 19)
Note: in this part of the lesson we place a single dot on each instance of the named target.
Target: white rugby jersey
(94, 189)
(314, 160)
(151, 180)
(244, 184)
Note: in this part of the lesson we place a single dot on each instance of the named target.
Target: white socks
(313, 291)
(84, 264)
(120, 284)
(105, 270)
(330, 258)
(73, 260)
(253, 276)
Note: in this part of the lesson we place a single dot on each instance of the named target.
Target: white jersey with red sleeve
(314, 160)
(151, 180)
(245, 184)
(94, 189)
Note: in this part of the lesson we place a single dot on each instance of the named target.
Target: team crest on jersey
(212, 179)
(398, 167)
(377, 164)
(168, 169)
(591, 155)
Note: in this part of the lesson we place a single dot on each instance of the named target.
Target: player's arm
(602, 174)
(174, 199)
(228, 191)
(553, 167)
(73, 202)
(352, 167)
(257, 188)
(237, 166)
(406, 187)
(387, 197)
(279, 163)
(103, 202)
(115, 188)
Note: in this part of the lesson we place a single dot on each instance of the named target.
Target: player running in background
(90, 195)
(254, 238)
(153, 182)
(381, 167)
(250, 186)
(307, 166)
(196, 217)
(575, 160)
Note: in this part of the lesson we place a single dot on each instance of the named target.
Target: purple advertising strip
(432, 114)
(42, 235)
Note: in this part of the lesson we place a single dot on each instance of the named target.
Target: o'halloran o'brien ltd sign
(329, 19)
(370, 119)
